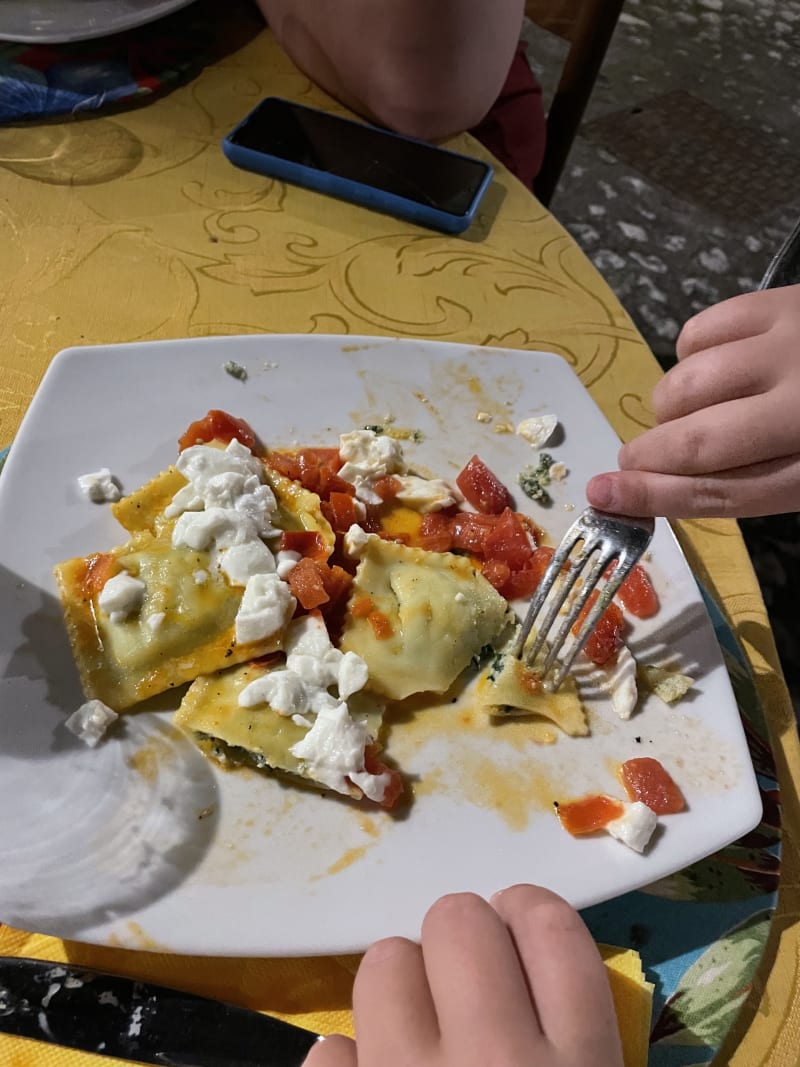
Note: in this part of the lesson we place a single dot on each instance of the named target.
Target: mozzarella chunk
(100, 486)
(333, 750)
(355, 541)
(538, 430)
(121, 596)
(90, 721)
(635, 827)
(367, 457)
(285, 562)
(267, 606)
(620, 681)
(425, 494)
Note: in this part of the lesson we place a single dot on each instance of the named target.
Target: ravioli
(259, 736)
(507, 687)
(439, 610)
(186, 624)
(184, 627)
(298, 509)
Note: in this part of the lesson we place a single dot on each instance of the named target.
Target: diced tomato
(218, 426)
(380, 624)
(314, 468)
(394, 787)
(337, 582)
(322, 457)
(588, 814)
(530, 527)
(524, 581)
(387, 488)
(508, 542)
(285, 464)
(520, 584)
(436, 532)
(646, 779)
(307, 585)
(541, 559)
(483, 489)
(497, 573)
(371, 522)
(97, 570)
(637, 595)
(606, 639)
(340, 511)
(470, 531)
(330, 482)
(362, 607)
(307, 542)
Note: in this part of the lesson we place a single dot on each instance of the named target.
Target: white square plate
(143, 843)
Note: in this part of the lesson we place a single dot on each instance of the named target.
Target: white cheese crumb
(620, 681)
(101, 487)
(538, 430)
(156, 620)
(368, 457)
(285, 562)
(121, 596)
(267, 606)
(425, 494)
(355, 541)
(333, 748)
(90, 721)
(635, 827)
(239, 562)
(558, 471)
(200, 577)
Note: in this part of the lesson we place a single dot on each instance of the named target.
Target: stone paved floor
(682, 184)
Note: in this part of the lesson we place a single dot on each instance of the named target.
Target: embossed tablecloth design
(134, 227)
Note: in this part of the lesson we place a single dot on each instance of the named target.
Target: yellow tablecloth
(134, 227)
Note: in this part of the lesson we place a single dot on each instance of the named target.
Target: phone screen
(418, 172)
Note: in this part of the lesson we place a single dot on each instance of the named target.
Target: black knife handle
(115, 1016)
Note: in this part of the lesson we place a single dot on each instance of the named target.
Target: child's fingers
(566, 975)
(737, 433)
(334, 1051)
(395, 1017)
(766, 489)
(742, 316)
(481, 996)
(725, 372)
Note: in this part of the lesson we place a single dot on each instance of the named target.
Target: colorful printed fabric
(40, 81)
(701, 932)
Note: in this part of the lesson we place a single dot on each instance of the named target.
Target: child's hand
(728, 443)
(518, 982)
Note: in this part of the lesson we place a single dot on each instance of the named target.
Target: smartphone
(354, 161)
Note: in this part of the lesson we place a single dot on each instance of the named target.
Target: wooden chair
(588, 26)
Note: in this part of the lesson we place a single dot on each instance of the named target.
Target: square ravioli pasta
(196, 588)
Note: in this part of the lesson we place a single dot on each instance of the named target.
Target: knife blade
(85, 1009)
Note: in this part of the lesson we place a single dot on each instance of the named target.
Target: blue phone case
(359, 192)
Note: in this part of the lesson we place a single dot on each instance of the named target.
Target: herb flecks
(533, 480)
(236, 370)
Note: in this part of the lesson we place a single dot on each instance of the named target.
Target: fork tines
(605, 538)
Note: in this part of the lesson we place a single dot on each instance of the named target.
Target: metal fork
(605, 538)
